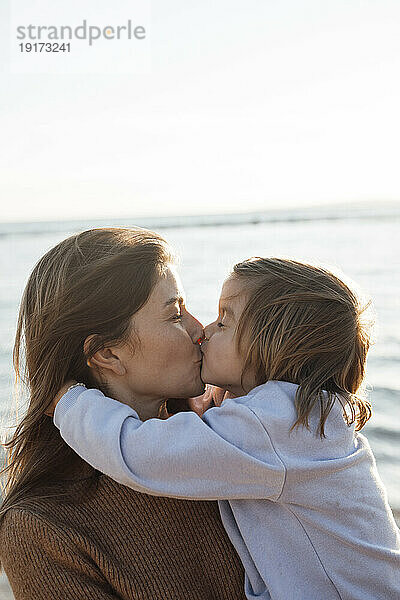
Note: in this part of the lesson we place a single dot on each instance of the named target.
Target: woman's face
(166, 358)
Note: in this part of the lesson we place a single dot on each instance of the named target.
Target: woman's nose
(194, 328)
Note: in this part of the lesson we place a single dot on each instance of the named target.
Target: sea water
(364, 246)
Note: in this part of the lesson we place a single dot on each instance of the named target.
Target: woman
(65, 530)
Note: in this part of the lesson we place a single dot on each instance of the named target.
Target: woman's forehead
(168, 290)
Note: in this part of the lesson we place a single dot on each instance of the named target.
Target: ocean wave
(386, 434)
(376, 359)
(379, 212)
(386, 391)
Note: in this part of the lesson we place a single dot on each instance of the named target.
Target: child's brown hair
(302, 324)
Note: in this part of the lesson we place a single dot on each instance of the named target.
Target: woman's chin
(200, 390)
(197, 388)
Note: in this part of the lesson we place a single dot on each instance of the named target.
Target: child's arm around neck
(227, 454)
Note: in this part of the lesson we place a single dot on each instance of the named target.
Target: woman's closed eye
(178, 317)
(180, 314)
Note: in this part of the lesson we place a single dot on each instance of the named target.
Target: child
(298, 489)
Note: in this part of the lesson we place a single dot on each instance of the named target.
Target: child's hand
(219, 395)
(213, 396)
(50, 410)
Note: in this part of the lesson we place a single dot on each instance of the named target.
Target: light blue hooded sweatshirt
(309, 517)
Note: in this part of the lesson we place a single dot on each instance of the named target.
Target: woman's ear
(108, 358)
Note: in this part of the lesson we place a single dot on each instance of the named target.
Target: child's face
(222, 364)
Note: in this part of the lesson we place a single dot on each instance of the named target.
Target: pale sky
(247, 105)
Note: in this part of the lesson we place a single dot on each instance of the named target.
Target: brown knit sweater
(119, 544)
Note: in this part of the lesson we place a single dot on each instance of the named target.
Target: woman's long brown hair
(90, 283)
(304, 325)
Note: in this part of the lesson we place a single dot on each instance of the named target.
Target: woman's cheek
(179, 345)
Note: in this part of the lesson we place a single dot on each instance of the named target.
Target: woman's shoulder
(24, 531)
(40, 552)
(18, 521)
(14, 519)
(28, 519)
(76, 506)
(48, 508)
(82, 513)
(53, 520)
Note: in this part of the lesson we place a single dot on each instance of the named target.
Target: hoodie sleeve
(226, 454)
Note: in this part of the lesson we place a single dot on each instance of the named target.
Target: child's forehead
(232, 292)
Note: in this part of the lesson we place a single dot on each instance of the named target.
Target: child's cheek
(223, 350)
(213, 351)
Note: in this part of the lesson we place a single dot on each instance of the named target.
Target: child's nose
(208, 331)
